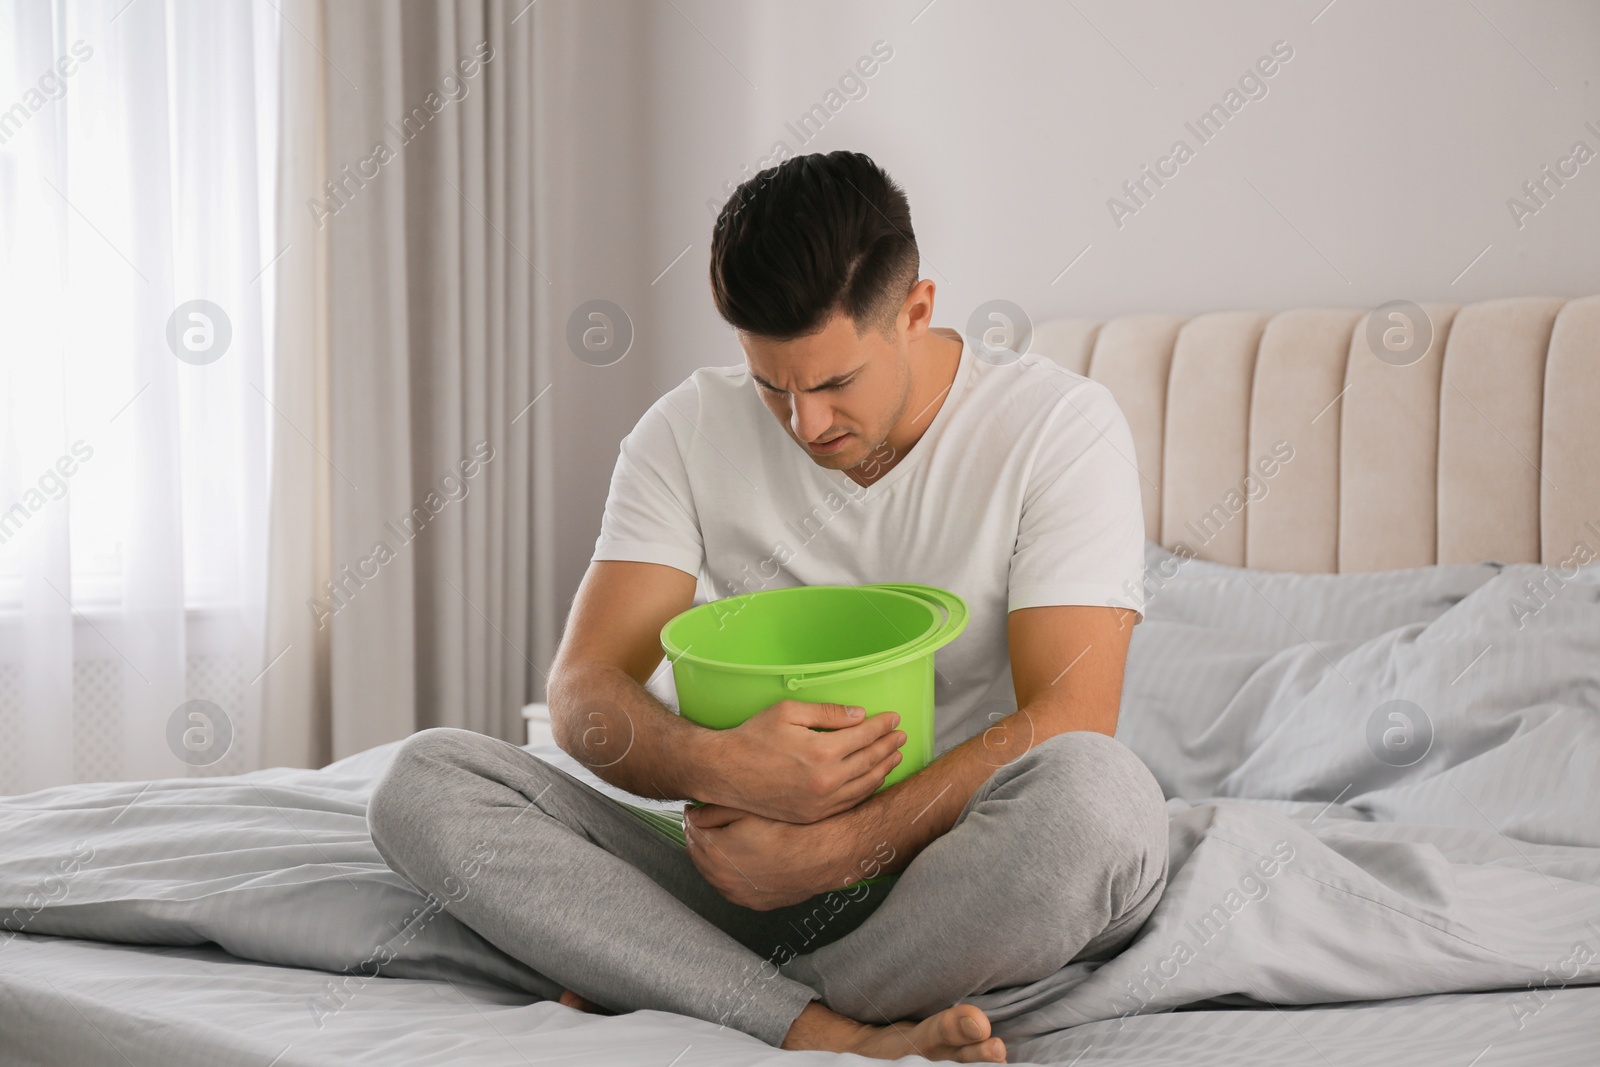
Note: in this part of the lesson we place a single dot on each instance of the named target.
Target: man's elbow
(566, 679)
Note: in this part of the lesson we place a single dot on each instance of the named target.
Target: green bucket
(870, 646)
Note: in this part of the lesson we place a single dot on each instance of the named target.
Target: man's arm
(776, 764)
(600, 712)
(1066, 665)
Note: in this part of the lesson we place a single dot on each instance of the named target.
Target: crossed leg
(1045, 864)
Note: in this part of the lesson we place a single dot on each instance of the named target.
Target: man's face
(836, 392)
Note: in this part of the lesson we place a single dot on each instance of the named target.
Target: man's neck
(934, 362)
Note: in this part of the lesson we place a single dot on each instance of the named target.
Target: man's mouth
(828, 447)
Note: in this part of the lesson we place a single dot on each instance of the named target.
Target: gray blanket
(1381, 788)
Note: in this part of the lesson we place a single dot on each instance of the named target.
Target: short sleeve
(1080, 539)
(650, 514)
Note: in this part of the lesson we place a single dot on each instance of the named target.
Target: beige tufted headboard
(1281, 441)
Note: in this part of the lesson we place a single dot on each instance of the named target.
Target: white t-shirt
(1022, 493)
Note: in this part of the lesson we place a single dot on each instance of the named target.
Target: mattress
(85, 1003)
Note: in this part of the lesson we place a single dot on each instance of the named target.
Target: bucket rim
(908, 649)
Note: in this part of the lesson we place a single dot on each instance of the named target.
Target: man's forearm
(905, 819)
(611, 724)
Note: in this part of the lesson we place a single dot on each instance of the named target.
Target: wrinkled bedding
(1381, 787)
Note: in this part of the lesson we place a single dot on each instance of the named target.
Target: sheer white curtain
(137, 239)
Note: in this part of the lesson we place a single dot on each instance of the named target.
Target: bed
(1369, 682)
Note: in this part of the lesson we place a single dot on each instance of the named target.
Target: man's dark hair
(812, 236)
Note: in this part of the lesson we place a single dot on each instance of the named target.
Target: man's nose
(811, 416)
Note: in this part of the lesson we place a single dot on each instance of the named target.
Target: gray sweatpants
(1060, 855)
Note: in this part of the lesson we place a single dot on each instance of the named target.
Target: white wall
(1377, 166)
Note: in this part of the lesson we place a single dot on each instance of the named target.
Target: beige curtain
(403, 523)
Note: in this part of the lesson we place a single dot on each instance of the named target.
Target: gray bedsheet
(1321, 852)
(89, 1004)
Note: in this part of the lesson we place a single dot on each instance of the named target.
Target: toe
(992, 1050)
(965, 1024)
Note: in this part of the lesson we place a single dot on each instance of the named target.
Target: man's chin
(840, 462)
(844, 460)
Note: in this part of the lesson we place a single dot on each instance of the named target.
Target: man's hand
(777, 764)
(764, 863)
(1066, 664)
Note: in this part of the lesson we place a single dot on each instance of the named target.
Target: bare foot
(961, 1034)
(572, 1000)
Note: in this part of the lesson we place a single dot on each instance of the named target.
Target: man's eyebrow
(837, 379)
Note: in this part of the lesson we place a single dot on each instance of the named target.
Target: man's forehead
(810, 362)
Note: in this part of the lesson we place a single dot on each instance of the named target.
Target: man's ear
(917, 309)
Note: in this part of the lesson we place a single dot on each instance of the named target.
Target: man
(856, 444)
